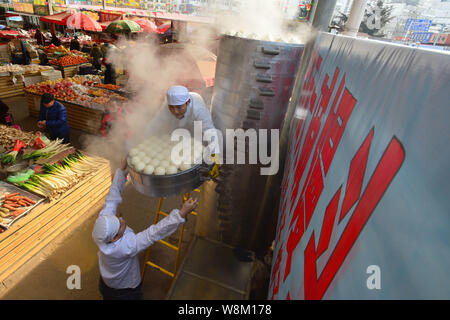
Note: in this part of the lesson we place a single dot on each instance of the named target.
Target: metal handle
(253, 115)
(271, 50)
(256, 104)
(261, 65)
(248, 125)
(267, 78)
(266, 92)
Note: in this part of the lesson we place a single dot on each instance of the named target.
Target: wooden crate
(44, 223)
(70, 71)
(79, 117)
(9, 89)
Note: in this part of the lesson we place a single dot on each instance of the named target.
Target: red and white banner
(364, 212)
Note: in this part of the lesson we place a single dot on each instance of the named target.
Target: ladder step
(161, 269)
(163, 213)
(169, 245)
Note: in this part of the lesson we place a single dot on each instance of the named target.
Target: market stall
(45, 187)
(13, 78)
(85, 98)
(68, 62)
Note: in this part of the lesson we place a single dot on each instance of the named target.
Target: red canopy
(58, 18)
(164, 27)
(146, 25)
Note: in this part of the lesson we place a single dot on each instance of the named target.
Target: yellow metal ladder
(159, 213)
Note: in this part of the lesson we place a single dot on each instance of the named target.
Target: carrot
(17, 213)
(11, 195)
(29, 200)
(22, 203)
(9, 207)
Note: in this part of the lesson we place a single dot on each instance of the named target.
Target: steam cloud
(152, 70)
(261, 20)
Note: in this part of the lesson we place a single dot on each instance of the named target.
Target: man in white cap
(182, 109)
(188, 107)
(120, 276)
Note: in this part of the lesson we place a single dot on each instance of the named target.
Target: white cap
(177, 95)
(105, 228)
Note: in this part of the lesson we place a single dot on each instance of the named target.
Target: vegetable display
(66, 61)
(14, 205)
(107, 86)
(10, 157)
(52, 49)
(58, 178)
(32, 68)
(54, 147)
(9, 136)
(76, 90)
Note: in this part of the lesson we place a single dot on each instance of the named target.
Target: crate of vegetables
(15, 203)
(67, 61)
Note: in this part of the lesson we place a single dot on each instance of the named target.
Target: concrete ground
(45, 277)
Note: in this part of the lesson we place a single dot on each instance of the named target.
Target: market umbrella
(199, 64)
(83, 21)
(123, 26)
(164, 27)
(11, 34)
(146, 25)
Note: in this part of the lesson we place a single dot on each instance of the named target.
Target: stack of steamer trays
(8, 88)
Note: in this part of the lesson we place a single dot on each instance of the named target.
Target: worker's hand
(188, 206)
(124, 164)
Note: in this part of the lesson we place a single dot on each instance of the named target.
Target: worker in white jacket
(120, 276)
(182, 110)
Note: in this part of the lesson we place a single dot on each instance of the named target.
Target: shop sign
(109, 15)
(23, 7)
(41, 10)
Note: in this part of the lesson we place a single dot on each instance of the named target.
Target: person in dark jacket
(55, 41)
(26, 56)
(5, 116)
(96, 54)
(53, 116)
(40, 39)
(43, 58)
(75, 44)
(110, 74)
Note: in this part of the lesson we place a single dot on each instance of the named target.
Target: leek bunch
(58, 178)
(54, 147)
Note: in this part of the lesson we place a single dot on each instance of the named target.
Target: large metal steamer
(157, 186)
(253, 85)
